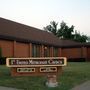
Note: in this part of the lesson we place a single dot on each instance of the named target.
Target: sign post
(46, 66)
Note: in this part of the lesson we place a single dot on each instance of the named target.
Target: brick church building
(19, 40)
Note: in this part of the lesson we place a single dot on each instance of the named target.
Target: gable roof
(11, 30)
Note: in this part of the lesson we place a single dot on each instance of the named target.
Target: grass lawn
(73, 74)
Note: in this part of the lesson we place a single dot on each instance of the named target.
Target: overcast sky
(39, 13)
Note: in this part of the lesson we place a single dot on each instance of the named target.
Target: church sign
(36, 62)
(35, 66)
(50, 67)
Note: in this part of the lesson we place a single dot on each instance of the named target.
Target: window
(35, 50)
(55, 52)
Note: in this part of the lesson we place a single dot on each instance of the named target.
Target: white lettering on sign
(25, 70)
(55, 62)
(36, 62)
(48, 69)
(32, 62)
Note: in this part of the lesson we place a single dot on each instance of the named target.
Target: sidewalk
(7, 88)
(84, 86)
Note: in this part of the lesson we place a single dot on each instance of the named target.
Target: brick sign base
(37, 72)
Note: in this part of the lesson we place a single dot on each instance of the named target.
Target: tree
(52, 27)
(79, 38)
(65, 32)
(0, 52)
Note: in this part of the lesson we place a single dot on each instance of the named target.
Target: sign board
(47, 66)
(36, 62)
(36, 66)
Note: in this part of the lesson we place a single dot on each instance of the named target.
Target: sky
(39, 13)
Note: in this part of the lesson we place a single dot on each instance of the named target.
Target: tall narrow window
(38, 50)
(35, 50)
(55, 52)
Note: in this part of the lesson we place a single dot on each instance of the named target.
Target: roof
(65, 43)
(69, 43)
(11, 30)
(87, 44)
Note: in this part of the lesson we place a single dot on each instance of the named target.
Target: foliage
(80, 38)
(0, 52)
(88, 39)
(52, 27)
(2, 60)
(65, 32)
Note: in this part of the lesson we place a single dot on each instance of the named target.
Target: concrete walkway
(84, 86)
(7, 88)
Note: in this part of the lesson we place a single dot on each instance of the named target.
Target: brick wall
(6, 48)
(72, 52)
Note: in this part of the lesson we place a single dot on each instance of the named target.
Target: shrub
(2, 60)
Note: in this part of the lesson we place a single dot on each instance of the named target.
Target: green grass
(73, 74)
